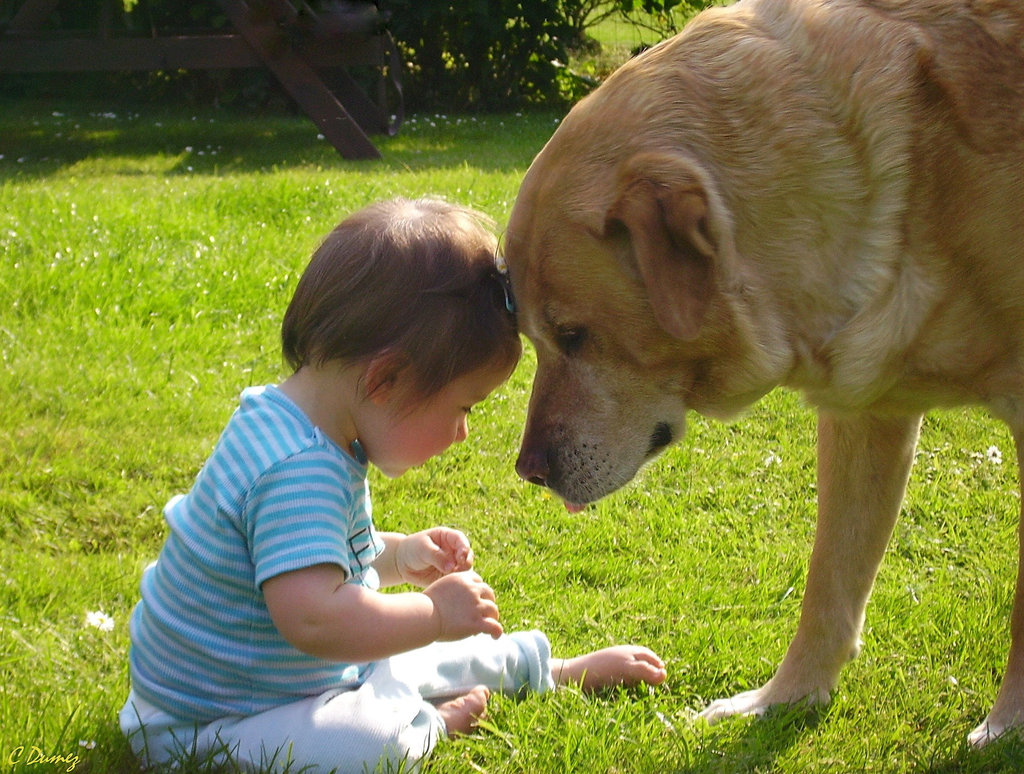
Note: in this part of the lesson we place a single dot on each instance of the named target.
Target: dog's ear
(665, 207)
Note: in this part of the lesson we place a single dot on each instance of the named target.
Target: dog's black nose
(532, 466)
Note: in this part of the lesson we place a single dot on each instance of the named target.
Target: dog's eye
(570, 340)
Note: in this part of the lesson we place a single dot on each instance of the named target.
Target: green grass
(146, 261)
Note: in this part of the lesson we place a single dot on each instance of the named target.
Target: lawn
(147, 258)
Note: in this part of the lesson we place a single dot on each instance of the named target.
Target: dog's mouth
(660, 438)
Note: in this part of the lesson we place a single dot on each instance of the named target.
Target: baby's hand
(465, 606)
(424, 557)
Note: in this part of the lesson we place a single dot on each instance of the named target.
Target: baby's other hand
(426, 556)
(465, 606)
(454, 546)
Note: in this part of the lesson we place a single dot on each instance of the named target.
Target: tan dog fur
(822, 194)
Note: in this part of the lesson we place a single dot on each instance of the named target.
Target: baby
(262, 635)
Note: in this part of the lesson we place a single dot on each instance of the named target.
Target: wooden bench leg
(300, 80)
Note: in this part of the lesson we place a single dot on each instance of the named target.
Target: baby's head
(413, 280)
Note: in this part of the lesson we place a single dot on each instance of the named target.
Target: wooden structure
(297, 43)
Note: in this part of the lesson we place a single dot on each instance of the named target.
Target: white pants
(389, 718)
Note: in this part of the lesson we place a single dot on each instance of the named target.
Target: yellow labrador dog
(822, 194)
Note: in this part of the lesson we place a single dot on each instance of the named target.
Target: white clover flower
(993, 455)
(99, 620)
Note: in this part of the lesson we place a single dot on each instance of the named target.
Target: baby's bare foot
(618, 665)
(462, 713)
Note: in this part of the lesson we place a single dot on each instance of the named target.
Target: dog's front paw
(759, 701)
(991, 730)
(984, 734)
(746, 703)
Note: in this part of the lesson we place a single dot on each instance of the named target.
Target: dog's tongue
(574, 507)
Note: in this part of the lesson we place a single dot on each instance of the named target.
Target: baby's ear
(381, 377)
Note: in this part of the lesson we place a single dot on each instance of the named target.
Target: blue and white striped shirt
(276, 495)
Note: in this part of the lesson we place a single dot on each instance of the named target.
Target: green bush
(483, 54)
(501, 54)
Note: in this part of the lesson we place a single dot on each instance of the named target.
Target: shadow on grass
(41, 137)
(758, 745)
(765, 740)
(1003, 755)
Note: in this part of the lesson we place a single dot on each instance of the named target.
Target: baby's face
(404, 438)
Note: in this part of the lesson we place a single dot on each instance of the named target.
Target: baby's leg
(511, 664)
(618, 665)
(462, 713)
(349, 732)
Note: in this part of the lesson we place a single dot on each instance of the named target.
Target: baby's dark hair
(415, 279)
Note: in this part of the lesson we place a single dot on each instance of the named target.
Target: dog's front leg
(863, 466)
(1008, 710)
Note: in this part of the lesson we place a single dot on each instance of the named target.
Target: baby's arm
(322, 615)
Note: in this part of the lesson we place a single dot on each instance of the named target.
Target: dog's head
(624, 280)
